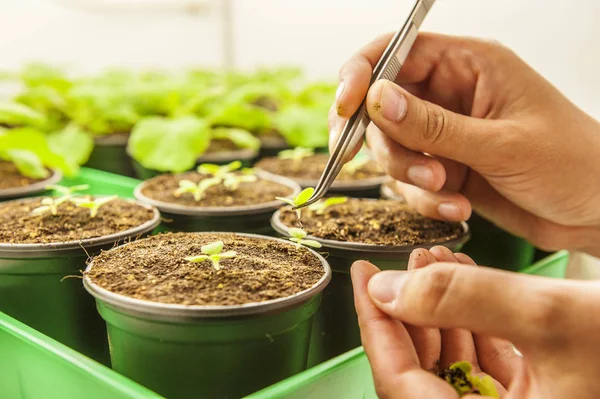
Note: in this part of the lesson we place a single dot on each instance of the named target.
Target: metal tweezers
(387, 67)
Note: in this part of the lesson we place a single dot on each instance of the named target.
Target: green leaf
(297, 153)
(169, 145)
(73, 143)
(303, 196)
(303, 126)
(241, 138)
(208, 169)
(311, 243)
(286, 200)
(27, 163)
(213, 248)
(15, 114)
(243, 116)
(197, 259)
(297, 233)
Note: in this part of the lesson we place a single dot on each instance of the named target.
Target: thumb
(426, 127)
(520, 308)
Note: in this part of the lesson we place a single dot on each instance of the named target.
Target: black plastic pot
(34, 290)
(110, 155)
(244, 219)
(32, 189)
(336, 328)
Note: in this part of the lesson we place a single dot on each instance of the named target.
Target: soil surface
(221, 145)
(72, 223)
(382, 222)
(163, 187)
(10, 177)
(154, 269)
(312, 167)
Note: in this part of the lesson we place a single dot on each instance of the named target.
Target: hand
(499, 138)
(450, 312)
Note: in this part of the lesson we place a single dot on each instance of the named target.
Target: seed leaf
(212, 248)
(303, 196)
(297, 233)
(311, 243)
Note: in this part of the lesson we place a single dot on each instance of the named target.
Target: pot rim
(34, 188)
(113, 139)
(40, 250)
(177, 209)
(280, 228)
(185, 312)
(343, 185)
(242, 154)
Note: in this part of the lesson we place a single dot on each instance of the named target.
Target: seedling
(459, 376)
(67, 191)
(298, 235)
(232, 181)
(319, 207)
(296, 155)
(218, 171)
(212, 252)
(197, 190)
(93, 205)
(49, 204)
(354, 165)
(298, 199)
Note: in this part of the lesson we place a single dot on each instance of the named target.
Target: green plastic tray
(349, 376)
(103, 183)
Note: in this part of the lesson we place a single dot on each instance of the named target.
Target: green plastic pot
(34, 290)
(245, 155)
(489, 245)
(110, 155)
(244, 219)
(336, 326)
(32, 189)
(209, 351)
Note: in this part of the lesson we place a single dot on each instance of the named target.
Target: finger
(441, 205)
(481, 300)
(394, 362)
(355, 76)
(497, 358)
(425, 127)
(427, 341)
(457, 343)
(465, 259)
(404, 164)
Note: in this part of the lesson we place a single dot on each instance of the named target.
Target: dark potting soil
(382, 222)
(312, 167)
(10, 177)
(154, 269)
(163, 187)
(71, 223)
(221, 145)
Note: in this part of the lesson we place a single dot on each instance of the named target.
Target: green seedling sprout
(298, 199)
(319, 207)
(93, 204)
(49, 204)
(218, 171)
(354, 165)
(197, 190)
(232, 181)
(460, 376)
(298, 235)
(212, 252)
(296, 155)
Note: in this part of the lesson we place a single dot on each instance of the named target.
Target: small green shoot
(197, 190)
(319, 207)
(464, 382)
(296, 155)
(67, 191)
(231, 181)
(212, 252)
(49, 204)
(218, 171)
(354, 165)
(298, 199)
(298, 235)
(93, 205)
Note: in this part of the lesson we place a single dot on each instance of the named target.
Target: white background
(558, 37)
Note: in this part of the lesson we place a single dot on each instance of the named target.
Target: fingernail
(340, 90)
(420, 175)
(448, 210)
(386, 287)
(393, 104)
